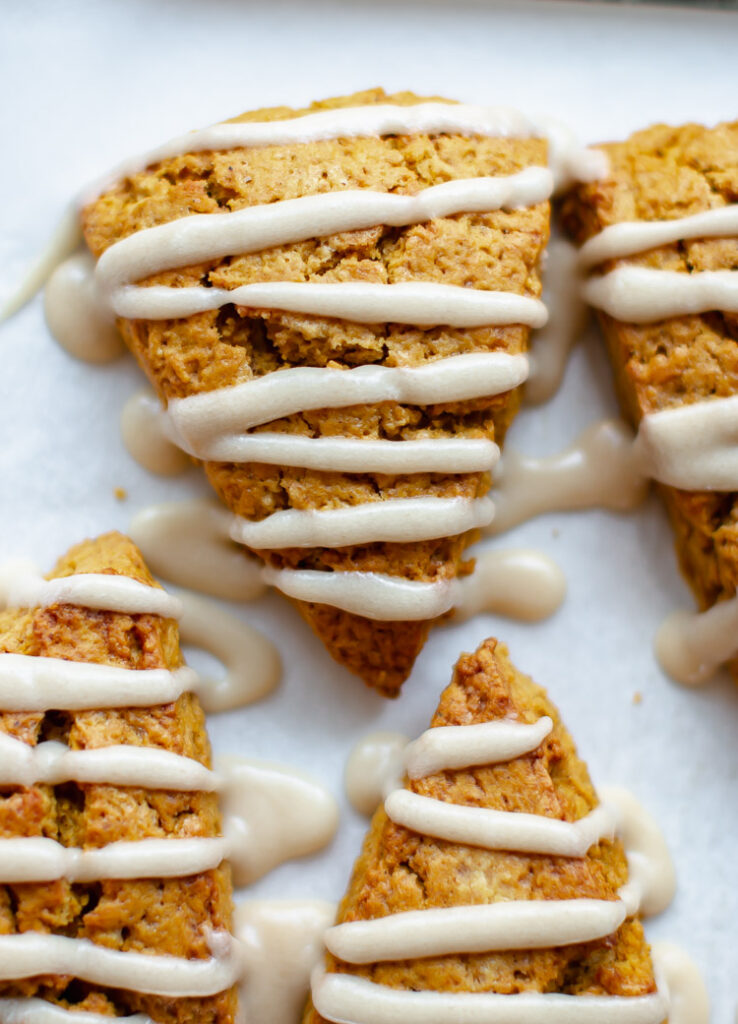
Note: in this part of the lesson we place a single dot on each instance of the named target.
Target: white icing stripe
(516, 924)
(499, 830)
(451, 747)
(355, 455)
(371, 594)
(28, 683)
(283, 392)
(644, 295)
(23, 956)
(21, 586)
(44, 860)
(392, 519)
(420, 303)
(343, 998)
(39, 1011)
(629, 238)
(53, 763)
(694, 447)
(204, 237)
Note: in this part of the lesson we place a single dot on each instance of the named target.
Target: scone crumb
(120, 493)
(638, 697)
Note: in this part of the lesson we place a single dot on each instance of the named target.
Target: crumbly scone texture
(160, 916)
(497, 251)
(660, 174)
(400, 870)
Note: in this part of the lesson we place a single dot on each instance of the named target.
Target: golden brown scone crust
(499, 250)
(151, 916)
(660, 174)
(400, 870)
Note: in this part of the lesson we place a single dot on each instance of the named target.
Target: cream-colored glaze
(252, 663)
(188, 544)
(601, 469)
(499, 830)
(39, 1011)
(200, 419)
(75, 314)
(38, 859)
(23, 586)
(398, 520)
(483, 928)
(517, 582)
(53, 763)
(568, 315)
(689, 1001)
(693, 447)
(21, 955)
(629, 238)
(142, 430)
(281, 942)
(62, 244)
(29, 683)
(421, 303)
(644, 295)
(452, 747)
(346, 998)
(272, 814)
(356, 454)
(652, 878)
(205, 237)
(692, 646)
(374, 764)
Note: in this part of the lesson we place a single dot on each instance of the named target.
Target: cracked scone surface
(159, 916)
(664, 173)
(497, 251)
(400, 870)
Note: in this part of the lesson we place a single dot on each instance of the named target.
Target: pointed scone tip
(659, 237)
(491, 882)
(110, 808)
(394, 294)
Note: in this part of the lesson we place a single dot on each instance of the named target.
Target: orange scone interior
(170, 918)
(660, 236)
(388, 437)
(443, 891)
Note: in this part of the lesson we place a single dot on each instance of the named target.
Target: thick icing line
(29, 683)
(511, 924)
(451, 747)
(630, 238)
(420, 303)
(644, 295)
(499, 830)
(651, 876)
(38, 859)
(393, 519)
(204, 416)
(344, 998)
(692, 646)
(66, 238)
(356, 454)
(118, 765)
(689, 1002)
(21, 956)
(39, 1011)
(23, 586)
(203, 237)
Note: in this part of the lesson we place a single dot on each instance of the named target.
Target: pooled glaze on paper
(144, 437)
(75, 315)
(520, 583)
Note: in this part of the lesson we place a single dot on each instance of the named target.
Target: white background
(86, 82)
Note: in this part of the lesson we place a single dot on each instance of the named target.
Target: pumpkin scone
(114, 896)
(334, 305)
(660, 240)
(492, 885)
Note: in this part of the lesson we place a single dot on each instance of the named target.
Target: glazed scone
(168, 917)
(665, 357)
(413, 871)
(211, 352)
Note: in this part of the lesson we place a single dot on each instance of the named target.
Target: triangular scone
(665, 357)
(374, 626)
(179, 916)
(402, 871)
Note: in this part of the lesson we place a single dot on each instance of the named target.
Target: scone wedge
(134, 935)
(451, 914)
(347, 397)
